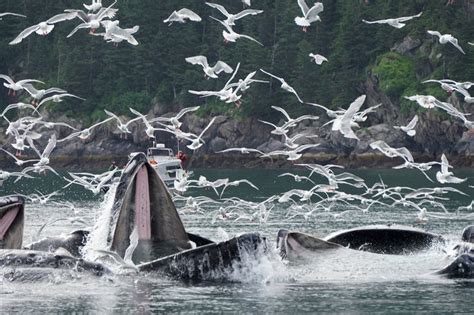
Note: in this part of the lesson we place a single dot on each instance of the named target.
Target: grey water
(349, 282)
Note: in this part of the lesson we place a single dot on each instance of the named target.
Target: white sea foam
(100, 232)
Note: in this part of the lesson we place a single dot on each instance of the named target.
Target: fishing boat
(165, 163)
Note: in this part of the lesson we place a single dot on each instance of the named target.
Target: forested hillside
(155, 71)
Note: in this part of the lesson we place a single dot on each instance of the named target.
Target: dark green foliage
(126, 76)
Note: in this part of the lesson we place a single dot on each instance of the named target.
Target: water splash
(261, 266)
(100, 232)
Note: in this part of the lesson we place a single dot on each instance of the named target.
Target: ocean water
(343, 281)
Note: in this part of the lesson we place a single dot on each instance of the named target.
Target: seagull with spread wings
(395, 22)
(284, 85)
(410, 128)
(231, 18)
(211, 72)
(310, 15)
(447, 38)
(181, 16)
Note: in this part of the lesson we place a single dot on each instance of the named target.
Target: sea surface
(335, 282)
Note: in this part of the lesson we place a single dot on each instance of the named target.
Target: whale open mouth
(142, 203)
(11, 222)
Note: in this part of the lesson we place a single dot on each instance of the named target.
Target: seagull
(279, 130)
(343, 123)
(57, 98)
(291, 142)
(290, 122)
(319, 59)
(472, 44)
(120, 125)
(227, 93)
(17, 160)
(422, 167)
(298, 178)
(92, 20)
(310, 15)
(247, 3)
(425, 101)
(43, 28)
(292, 155)
(86, 133)
(231, 36)
(445, 176)
(211, 72)
(20, 15)
(231, 18)
(410, 128)
(198, 142)
(115, 34)
(175, 119)
(19, 105)
(96, 5)
(390, 152)
(237, 183)
(467, 97)
(329, 113)
(150, 130)
(4, 175)
(37, 95)
(50, 125)
(44, 157)
(244, 85)
(94, 188)
(395, 22)
(447, 38)
(13, 86)
(181, 16)
(285, 86)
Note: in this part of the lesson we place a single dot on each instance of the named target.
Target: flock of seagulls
(327, 180)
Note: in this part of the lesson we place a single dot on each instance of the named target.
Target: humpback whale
(379, 239)
(143, 205)
(73, 243)
(145, 227)
(386, 239)
(463, 265)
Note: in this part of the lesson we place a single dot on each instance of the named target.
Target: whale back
(385, 239)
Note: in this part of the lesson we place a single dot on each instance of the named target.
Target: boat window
(159, 152)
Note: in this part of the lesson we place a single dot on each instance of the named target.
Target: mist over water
(335, 281)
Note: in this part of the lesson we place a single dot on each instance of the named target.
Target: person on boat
(182, 157)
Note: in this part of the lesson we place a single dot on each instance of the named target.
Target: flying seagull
(181, 16)
(285, 86)
(447, 38)
(410, 128)
(209, 71)
(310, 15)
(396, 22)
